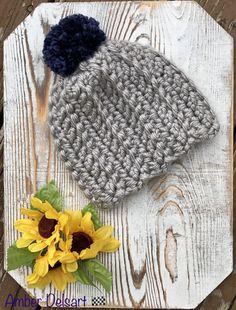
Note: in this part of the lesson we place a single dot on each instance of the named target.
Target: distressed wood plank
(169, 250)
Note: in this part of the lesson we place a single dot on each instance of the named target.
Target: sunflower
(54, 275)
(42, 228)
(61, 240)
(83, 241)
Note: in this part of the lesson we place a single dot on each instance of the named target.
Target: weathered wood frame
(172, 205)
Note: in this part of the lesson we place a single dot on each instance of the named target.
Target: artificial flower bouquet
(61, 246)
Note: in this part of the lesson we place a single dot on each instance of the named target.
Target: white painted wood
(176, 233)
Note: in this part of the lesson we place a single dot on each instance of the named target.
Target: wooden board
(177, 232)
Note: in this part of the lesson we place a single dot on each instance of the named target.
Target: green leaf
(19, 257)
(82, 276)
(50, 193)
(95, 217)
(99, 272)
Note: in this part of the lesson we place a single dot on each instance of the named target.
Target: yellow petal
(41, 282)
(38, 204)
(51, 250)
(69, 244)
(52, 214)
(31, 235)
(25, 222)
(37, 246)
(74, 220)
(58, 279)
(76, 254)
(54, 237)
(31, 213)
(67, 258)
(33, 278)
(63, 219)
(103, 233)
(65, 245)
(69, 278)
(86, 222)
(93, 250)
(67, 229)
(24, 225)
(41, 266)
(111, 245)
(52, 261)
(88, 253)
(71, 267)
(34, 231)
(23, 243)
(63, 267)
(62, 245)
(48, 206)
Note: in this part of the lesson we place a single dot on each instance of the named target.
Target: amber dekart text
(51, 300)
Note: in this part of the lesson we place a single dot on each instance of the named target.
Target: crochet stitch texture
(123, 116)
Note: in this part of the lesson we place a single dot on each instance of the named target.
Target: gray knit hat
(123, 115)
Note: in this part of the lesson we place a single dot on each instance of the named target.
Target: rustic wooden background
(12, 12)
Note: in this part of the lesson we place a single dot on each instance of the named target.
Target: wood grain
(151, 263)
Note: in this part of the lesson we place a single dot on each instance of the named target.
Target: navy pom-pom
(73, 40)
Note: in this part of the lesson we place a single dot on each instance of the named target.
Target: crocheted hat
(119, 112)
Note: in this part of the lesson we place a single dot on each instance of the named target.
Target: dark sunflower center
(46, 226)
(80, 241)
